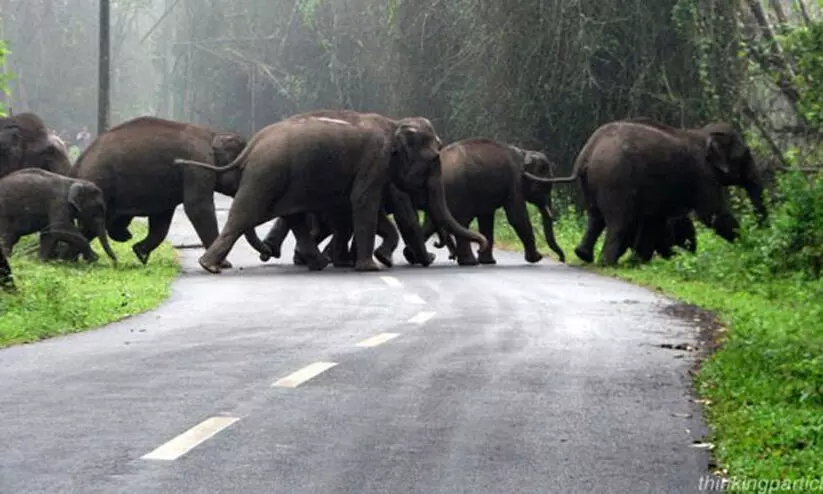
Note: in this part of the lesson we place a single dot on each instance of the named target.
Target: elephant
(6, 276)
(133, 164)
(33, 200)
(25, 143)
(323, 225)
(395, 201)
(481, 175)
(630, 173)
(655, 237)
(311, 164)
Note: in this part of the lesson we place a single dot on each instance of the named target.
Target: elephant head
(88, 206)
(416, 167)
(11, 149)
(739, 167)
(227, 146)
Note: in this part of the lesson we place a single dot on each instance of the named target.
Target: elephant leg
(548, 231)
(595, 226)
(518, 217)
(274, 239)
(343, 230)
(8, 240)
(319, 230)
(427, 230)
(158, 229)
(391, 239)
(305, 243)
(365, 206)
(485, 223)
(248, 210)
(117, 228)
(648, 237)
(199, 208)
(465, 256)
(618, 240)
(408, 223)
(6, 278)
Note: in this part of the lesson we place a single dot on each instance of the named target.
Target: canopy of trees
(539, 73)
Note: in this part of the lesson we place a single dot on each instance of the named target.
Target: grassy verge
(58, 298)
(764, 386)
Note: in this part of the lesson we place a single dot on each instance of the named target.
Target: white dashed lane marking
(391, 281)
(421, 317)
(413, 299)
(190, 439)
(299, 377)
(377, 340)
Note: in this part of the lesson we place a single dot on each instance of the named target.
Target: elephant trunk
(755, 192)
(104, 240)
(443, 217)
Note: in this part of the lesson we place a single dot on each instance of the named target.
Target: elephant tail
(231, 166)
(548, 180)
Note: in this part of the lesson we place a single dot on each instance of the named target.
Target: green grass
(764, 385)
(57, 298)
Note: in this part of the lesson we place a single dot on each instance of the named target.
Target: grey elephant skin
(6, 276)
(310, 164)
(25, 143)
(482, 175)
(634, 173)
(403, 204)
(133, 164)
(38, 201)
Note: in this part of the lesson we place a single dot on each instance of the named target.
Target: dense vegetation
(58, 298)
(540, 74)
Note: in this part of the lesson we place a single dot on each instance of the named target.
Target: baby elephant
(33, 200)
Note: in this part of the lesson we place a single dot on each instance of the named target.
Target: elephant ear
(75, 195)
(10, 141)
(715, 156)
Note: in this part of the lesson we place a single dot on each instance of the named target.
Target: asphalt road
(510, 378)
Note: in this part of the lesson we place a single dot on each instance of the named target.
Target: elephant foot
(534, 257)
(211, 268)
(298, 259)
(385, 258)
(143, 256)
(367, 265)
(584, 255)
(561, 255)
(226, 265)
(318, 263)
(486, 259)
(91, 257)
(409, 255)
(467, 261)
(429, 260)
(345, 263)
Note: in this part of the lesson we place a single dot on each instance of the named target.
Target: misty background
(541, 74)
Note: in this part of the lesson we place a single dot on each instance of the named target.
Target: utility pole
(104, 72)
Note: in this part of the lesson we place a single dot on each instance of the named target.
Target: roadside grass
(58, 298)
(764, 385)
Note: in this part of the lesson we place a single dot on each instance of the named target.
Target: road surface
(271, 379)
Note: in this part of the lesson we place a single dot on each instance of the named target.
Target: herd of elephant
(340, 173)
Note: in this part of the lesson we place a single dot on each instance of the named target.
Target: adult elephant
(480, 176)
(25, 143)
(630, 172)
(743, 170)
(133, 164)
(316, 164)
(400, 203)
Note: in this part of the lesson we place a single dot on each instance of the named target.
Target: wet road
(271, 379)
